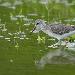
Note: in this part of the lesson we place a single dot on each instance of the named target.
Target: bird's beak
(33, 29)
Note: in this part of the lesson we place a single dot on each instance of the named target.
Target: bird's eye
(37, 23)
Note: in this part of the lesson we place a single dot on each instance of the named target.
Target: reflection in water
(58, 56)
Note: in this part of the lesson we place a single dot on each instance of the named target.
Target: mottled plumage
(61, 29)
(58, 31)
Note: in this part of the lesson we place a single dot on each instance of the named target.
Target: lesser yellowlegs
(59, 31)
(56, 30)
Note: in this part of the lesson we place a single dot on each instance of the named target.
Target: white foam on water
(21, 38)
(6, 4)
(14, 18)
(70, 20)
(19, 16)
(44, 1)
(1, 36)
(16, 37)
(18, 2)
(52, 39)
(12, 7)
(10, 34)
(4, 29)
(27, 38)
(52, 46)
(27, 24)
(7, 38)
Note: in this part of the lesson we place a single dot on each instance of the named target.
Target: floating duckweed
(1, 36)
(21, 38)
(7, 38)
(11, 60)
(39, 39)
(43, 40)
(17, 45)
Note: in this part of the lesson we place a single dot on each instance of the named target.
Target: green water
(17, 57)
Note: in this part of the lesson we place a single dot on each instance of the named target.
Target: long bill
(33, 29)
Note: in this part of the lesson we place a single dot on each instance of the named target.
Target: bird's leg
(61, 47)
(59, 42)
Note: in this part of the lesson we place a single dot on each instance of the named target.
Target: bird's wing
(67, 34)
(58, 36)
(51, 34)
(70, 31)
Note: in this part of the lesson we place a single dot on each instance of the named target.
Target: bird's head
(39, 25)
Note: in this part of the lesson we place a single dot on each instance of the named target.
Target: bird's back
(61, 29)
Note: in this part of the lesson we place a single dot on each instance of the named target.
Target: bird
(56, 30)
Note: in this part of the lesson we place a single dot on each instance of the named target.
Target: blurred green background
(18, 55)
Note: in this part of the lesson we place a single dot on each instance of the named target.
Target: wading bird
(58, 31)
